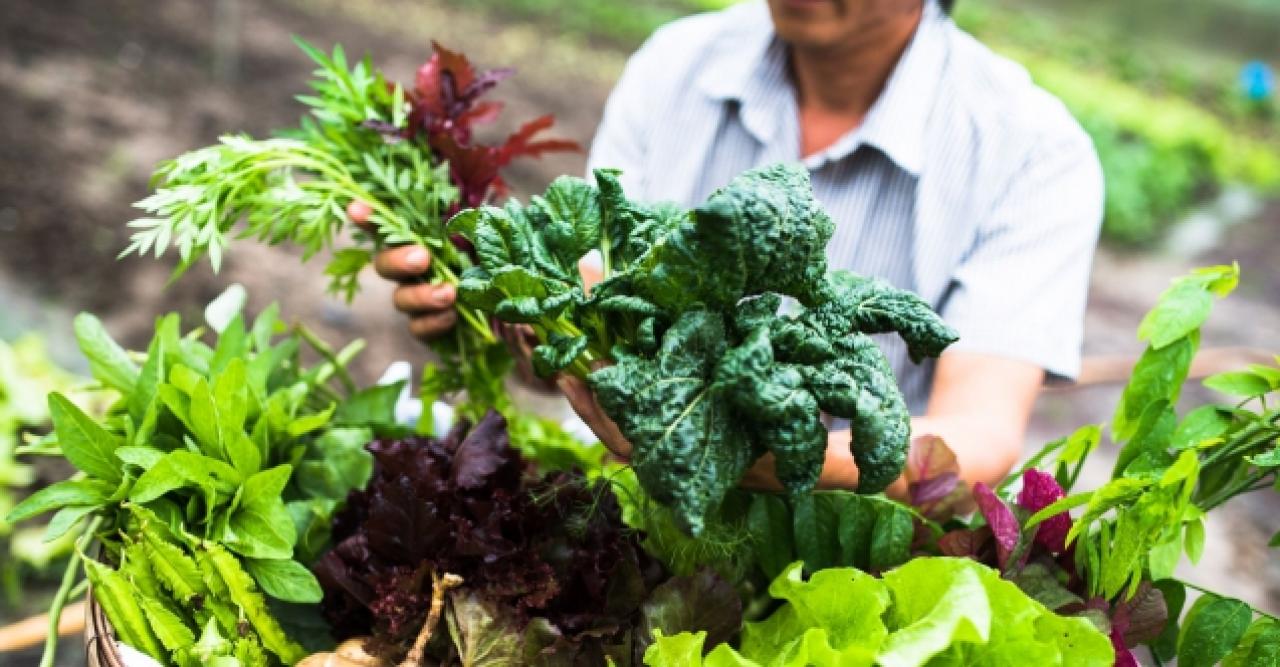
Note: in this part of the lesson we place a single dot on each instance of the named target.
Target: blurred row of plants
(1170, 131)
(27, 375)
(1170, 122)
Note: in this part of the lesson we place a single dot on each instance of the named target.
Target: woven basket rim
(99, 638)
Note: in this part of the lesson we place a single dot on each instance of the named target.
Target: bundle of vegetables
(27, 374)
(1115, 562)
(402, 157)
(708, 375)
(1111, 568)
(545, 572)
(210, 481)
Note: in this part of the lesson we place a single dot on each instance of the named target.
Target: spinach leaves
(709, 375)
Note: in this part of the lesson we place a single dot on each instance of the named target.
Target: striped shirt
(964, 183)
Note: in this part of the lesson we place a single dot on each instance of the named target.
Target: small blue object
(1257, 80)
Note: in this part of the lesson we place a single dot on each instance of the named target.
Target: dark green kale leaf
(689, 450)
(708, 376)
(873, 306)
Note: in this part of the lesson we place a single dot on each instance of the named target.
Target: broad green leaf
(1080, 443)
(285, 579)
(891, 538)
(855, 528)
(153, 370)
(815, 536)
(1186, 466)
(770, 526)
(1163, 557)
(261, 526)
(84, 443)
(374, 406)
(1193, 537)
(1180, 310)
(1259, 646)
(65, 519)
(108, 362)
(335, 463)
(265, 326)
(571, 204)
(1202, 423)
(1158, 376)
(63, 494)
(1268, 373)
(1212, 628)
(1238, 383)
(181, 468)
(305, 424)
(143, 457)
(1148, 440)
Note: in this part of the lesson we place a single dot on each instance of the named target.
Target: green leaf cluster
(295, 189)
(930, 611)
(1170, 471)
(708, 375)
(213, 477)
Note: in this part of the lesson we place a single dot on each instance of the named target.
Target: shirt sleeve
(1020, 291)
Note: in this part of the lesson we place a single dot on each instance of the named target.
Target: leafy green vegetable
(929, 611)
(191, 476)
(1212, 628)
(405, 153)
(708, 376)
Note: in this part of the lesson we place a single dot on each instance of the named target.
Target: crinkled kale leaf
(708, 376)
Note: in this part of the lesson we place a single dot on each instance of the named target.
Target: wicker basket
(99, 639)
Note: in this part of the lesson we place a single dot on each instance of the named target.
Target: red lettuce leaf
(445, 107)
(1040, 490)
(934, 486)
(1003, 523)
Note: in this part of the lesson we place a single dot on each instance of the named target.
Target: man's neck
(836, 86)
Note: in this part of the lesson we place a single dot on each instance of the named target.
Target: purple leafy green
(545, 560)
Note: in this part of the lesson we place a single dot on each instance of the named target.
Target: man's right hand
(430, 307)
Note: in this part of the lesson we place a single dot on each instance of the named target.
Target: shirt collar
(749, 67)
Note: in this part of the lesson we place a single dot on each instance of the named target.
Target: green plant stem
(1244, 486)
(339, 368)
(336, 178)
(1244, 439)
(64, 593)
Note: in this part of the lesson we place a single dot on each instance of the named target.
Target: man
(946, 171)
